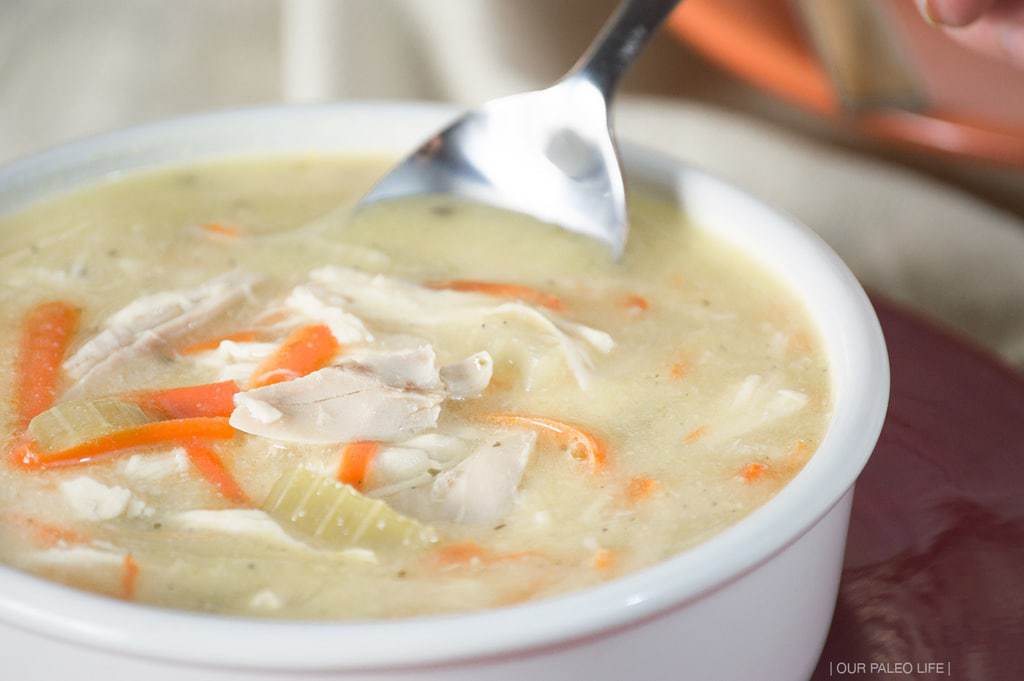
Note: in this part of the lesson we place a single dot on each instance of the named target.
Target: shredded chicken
(235, 360)
(152, 322)
(336, 404)
(91, 500)
(755, 403)
(470, 377)
(414, 368)
(395, 304)
(480, 489)
(317, 303)
(239, 522)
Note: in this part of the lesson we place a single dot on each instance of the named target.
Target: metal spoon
(548, 153)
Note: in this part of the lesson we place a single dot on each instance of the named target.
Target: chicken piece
(317, 303)
(414, 462)
(91, 500)
(755, 403)
(336, 404)
(443, 449)
(155, 466)
(468, 378)
(480, 489)
(411, 368)
(77, 557)
(399, 305)
(152, 322)
(238, 522)
(236, 360)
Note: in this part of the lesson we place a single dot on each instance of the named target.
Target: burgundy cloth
(934, 568)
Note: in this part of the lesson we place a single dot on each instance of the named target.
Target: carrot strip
(604, 559)
(356, 458)
(753, 471)
(214, 428)
(794, 459)
(583, 446)
(469, 553)
(636, 303)
(517, 291)
(798, 455)
(129, 577)
(209, 399)
(459, 554)
(695, 434)
(47, 535)
(214, 343)
(679, 370)
(213, 470)
(639, 488)
(800, 343)
(304, 351)
(45, 336)
(220, 229)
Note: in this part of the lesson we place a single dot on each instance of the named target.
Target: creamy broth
(699, 377)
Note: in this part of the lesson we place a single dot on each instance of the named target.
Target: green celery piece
(71, 423)
(335, 515)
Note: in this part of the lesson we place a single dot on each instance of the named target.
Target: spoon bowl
(547, 153)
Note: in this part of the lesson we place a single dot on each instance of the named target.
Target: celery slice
(327, 512)
(71, 423)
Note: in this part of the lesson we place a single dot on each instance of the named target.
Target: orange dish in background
(764, 42)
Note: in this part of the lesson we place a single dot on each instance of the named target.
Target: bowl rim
(61, 612)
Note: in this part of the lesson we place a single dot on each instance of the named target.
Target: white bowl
(754, 602)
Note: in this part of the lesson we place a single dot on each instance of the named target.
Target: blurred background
(902, 148)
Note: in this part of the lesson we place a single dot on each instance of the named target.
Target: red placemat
(933, 582)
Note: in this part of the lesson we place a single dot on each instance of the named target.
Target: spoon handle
(620, 41)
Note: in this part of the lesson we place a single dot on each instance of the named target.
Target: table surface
(934, 568)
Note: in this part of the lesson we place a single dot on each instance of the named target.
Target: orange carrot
(753, 471)
(45, 336)
(799, 452)
(639, 488)
(220, 229)
(129, 577)
(305, 350)
(636, 303)
(517, 291)
(213, 470)
(604, 559)
(458, 554)
(795, 458)
(679, 370)
(800, 343)
(695, 434)
(213, 428)
(469, 553)
(787, 465)
(214, 343)
(208, 399)
(47, 535)
(356, 458)
(583, 446)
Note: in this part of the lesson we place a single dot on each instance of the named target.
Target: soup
(226, 394)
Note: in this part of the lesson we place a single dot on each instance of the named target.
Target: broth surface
(715, 393)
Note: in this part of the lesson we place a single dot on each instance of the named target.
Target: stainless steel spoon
(548, 153)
